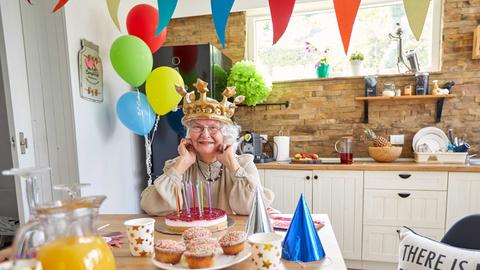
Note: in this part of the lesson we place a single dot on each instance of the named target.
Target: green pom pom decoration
(249, 82)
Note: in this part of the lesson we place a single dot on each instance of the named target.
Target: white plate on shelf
(221, 261)
(443, 139)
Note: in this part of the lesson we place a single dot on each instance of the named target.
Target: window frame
(326, 6)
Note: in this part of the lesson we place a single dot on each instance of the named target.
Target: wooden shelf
(406, 97)
(440, 100)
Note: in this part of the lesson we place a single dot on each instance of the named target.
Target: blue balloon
(135, 112)
(174, 120)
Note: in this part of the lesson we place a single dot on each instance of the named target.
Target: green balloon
(132, 59)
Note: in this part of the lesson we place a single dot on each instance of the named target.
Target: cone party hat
(258, 220)
(302, 242)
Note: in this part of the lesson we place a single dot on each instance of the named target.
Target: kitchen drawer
(381, 243)
(406, 180)
(424, 209)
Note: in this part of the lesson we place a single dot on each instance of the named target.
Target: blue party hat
(301, 242)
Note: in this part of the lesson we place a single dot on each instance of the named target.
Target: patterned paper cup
(140, 236)
(267, 250)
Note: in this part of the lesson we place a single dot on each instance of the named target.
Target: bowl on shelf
(385, 154)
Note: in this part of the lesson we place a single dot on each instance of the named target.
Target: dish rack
(440, 157)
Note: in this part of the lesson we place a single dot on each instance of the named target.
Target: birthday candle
(177, 199)
(199, 203)
(201, 195)
(187, 206)
(209, 187)
(193, 196)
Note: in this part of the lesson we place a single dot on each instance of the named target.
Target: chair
(465, 233)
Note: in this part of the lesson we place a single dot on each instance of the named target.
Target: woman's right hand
(187, 156)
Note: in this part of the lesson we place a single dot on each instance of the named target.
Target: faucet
(400, 56)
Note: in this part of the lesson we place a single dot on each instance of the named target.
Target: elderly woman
(207, 154)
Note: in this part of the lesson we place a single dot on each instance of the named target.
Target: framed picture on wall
(90, 72)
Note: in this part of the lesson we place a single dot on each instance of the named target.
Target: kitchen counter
(373, 166)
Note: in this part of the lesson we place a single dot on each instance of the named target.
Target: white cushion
(417, 252)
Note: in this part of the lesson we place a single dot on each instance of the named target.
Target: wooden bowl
(385, 154)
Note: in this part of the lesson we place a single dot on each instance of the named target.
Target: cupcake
(233, 242)
(213, 241)
(169, 251)
(196, 233)
(200, 255)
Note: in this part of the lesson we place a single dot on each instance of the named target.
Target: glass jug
(344, 148)
(69, 236)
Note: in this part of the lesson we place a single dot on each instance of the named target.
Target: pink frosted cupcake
(200, 255)
(169, 251)
(233, 242)
(201, 241)
(196, 233)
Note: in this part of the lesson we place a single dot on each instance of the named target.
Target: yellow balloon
(161, 91)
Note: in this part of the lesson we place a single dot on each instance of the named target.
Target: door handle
(315, 177)
(404, 195)
(404, 175)
(308, 177)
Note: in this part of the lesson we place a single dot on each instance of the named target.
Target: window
(317, 24)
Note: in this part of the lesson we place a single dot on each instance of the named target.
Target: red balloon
(142, 22)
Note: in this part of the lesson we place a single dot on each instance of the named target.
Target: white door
(463, 196)
(340, 195)
(15, 86)
(287, 186)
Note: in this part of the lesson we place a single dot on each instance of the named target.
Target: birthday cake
(179, 221)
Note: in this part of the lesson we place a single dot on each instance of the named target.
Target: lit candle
(193, 195)
(185, 196)
(201, 195)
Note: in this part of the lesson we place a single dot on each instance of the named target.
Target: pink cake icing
(167, 245)
(232, 238)
(217, 217)
(201, 250)
(196, 233)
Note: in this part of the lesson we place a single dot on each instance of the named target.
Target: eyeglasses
(200, 129)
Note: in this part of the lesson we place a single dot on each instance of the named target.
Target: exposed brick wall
(323, 110)
(200, 30)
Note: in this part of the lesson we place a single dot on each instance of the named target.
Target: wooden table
(333, 260)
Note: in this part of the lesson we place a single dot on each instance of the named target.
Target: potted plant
(322, 66)
(356, 60)
(249, 82)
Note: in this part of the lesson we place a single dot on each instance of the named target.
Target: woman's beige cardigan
(233, 192)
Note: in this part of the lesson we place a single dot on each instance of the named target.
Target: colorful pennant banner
(416, 11)
(59, 5)
(113, 10)
(280, 11)
(346, 11)
(220, 12)
(165, 13)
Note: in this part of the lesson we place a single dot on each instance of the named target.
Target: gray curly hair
(230, 132)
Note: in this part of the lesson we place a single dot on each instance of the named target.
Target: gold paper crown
(207, 108)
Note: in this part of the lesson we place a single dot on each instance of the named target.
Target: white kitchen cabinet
(463, 196)
(287, 186)
(261, 173)
(381, 243)
(418, 208)
(340, 195)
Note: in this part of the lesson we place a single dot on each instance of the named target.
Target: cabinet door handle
(308, 177)
(315, 177)
(404, 175)
(404, 195)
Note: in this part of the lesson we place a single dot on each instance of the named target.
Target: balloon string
(148, 151)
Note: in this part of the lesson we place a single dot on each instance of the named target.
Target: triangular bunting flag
(59, 5)
(165, 13)
(280, 11)
(113, 10)
(346, 11)
(416, 11)
(220, 12)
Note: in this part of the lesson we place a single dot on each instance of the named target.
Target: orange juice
(76, 253)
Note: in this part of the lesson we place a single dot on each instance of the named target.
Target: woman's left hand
(226, 156)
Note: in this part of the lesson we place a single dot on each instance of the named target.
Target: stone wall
(323, 110)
